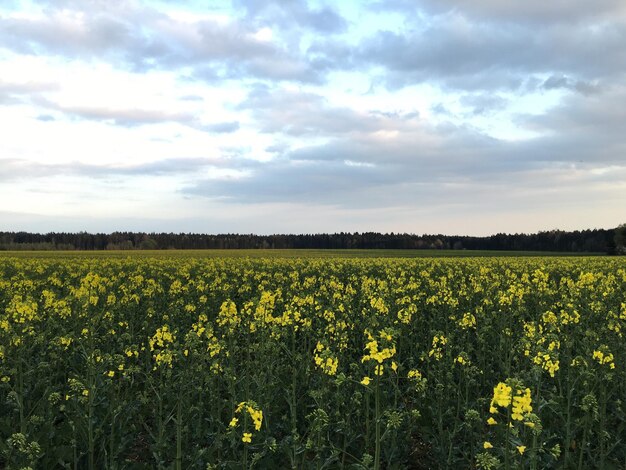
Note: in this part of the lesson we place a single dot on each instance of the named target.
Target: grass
(289, 253)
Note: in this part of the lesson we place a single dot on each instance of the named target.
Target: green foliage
(219, 363)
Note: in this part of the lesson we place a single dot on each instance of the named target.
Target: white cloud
(272, 116)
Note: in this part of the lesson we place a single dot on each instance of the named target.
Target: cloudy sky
(286, 116)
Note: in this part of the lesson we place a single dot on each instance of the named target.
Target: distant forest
(597, 240)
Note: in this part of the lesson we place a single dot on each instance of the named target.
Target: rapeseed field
(217, 363)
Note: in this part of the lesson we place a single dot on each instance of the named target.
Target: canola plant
(176, 362)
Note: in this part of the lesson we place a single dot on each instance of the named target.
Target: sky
(285, 116)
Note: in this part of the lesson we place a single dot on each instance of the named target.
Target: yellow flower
(233, 422)
(502, 395)
(366, 381)
(521, 405)
(111, 373)
(247, 437)
(414, 374)
(257, 417)
(461, 360)
(487, 445)
(491, 421)
(521, 449)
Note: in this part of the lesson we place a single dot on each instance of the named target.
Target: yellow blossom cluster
(414, 374)
(604, 357)
(227, 315)
(159, 345)
(547, 362)
(325, 360)
(254, 412)
(462, 359)
(162, 337)
(379, 353)
(436, 352)
(468, 321)
(516, 402)
(501, 397)
(521, 405)
(516, 396)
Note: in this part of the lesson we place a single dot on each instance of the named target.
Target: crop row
(305, 363)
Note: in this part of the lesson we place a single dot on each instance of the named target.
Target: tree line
(584, 241)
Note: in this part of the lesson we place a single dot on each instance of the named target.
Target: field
(200, 360)
(287, 253)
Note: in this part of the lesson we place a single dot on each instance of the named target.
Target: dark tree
(620, 240)
(597, 240)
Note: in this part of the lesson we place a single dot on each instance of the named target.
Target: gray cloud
(145, 39)
(13, 168)
(122, 117)
(562, 81)
(381, 151)
(131, 117)
(583, 128)
(288, 13)
(66, 35)
(479, 45)
(300, 113)
(413, 185)
(533, 11)
(284, 180)
(17, 92)
(221, 127)
(25, 88)
(483, 103)
(460, 53)
(366, 171)
(579, 153)
(471, 46)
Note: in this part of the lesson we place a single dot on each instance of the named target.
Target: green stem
(294, 417)
(568, 436)
(507, 457)
(218, 413)
(91, 465)
(112, 463)
(533, 457)
(583, 443)
(90, 417)
(74, 447)
(367, 419)
(179, 436)
(602, 424)
(20, 383)
(244, 463)
(160, 428)
(377, 424)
